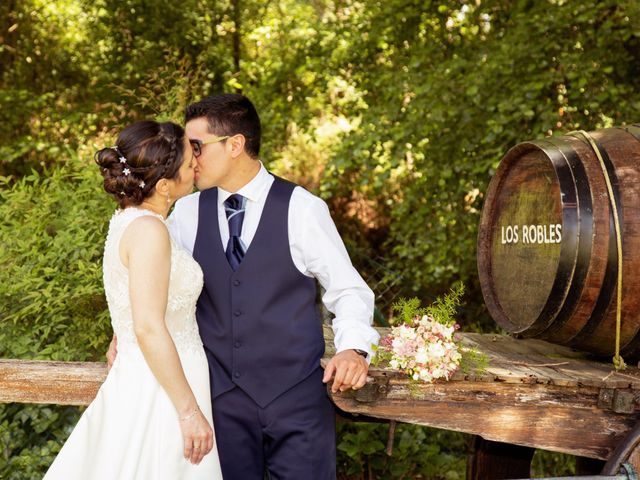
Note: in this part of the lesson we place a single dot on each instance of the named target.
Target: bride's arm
(146, 250)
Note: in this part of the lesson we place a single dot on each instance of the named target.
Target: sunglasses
(197, 145)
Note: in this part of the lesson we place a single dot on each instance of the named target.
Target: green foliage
(397, 113)
(418, 452)
(52, 233)
(408, 310)
(473, 361)
(443, 309)
(545, 464)
(448, 88)
(31, 436)
(52, 305)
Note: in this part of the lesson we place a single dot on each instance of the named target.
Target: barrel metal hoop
(569, 244)
(585, 236)
(605, 296)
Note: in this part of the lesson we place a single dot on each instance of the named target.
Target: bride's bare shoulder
(146, 235)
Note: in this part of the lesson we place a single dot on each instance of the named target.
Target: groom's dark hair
(230, 114)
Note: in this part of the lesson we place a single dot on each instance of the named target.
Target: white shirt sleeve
(183, 221)
(318, 251)
(174, 227)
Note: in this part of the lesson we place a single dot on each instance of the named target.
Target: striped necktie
(234, 208)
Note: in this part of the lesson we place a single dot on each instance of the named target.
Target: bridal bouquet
(423, 344)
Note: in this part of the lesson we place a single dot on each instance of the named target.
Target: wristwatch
(361, 352)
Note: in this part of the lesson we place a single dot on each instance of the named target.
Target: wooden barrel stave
(625, 158)
(594, 238)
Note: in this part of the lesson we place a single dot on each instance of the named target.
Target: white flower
(126, 171)
(446, 331)
(422, 356)
(436, 350)
(142, 184)
(123, 160)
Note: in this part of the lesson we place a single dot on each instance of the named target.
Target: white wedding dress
(131, 430)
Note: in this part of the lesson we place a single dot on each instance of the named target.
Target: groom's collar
(254, 190)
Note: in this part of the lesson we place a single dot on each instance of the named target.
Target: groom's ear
(236, 144)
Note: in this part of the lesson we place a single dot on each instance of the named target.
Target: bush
(31, 436)
(52, 232)
(52, 305)
(418, 452)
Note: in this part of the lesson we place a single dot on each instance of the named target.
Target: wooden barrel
(547, 254)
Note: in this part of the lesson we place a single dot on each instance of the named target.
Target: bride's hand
(197, 435)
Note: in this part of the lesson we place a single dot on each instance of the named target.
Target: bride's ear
(162, 187)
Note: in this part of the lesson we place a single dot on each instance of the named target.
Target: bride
(152, 416)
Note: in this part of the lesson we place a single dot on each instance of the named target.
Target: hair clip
(126, 171)
(142, 184)
(123, 160)
(122, 193)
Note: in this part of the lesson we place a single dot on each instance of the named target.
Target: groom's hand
(349, 370)
(112, 352)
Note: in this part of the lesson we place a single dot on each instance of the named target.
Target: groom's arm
(316, 240)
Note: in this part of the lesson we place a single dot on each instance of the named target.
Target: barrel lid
(525, 261)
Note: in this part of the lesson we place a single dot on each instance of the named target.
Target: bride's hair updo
(144, 153)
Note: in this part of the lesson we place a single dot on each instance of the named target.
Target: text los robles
(529, 234)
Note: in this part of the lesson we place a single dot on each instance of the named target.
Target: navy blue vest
(259, 324)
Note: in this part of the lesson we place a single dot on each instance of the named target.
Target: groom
(262, 242)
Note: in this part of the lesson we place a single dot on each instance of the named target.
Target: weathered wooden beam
(540, 416)
(62, 383)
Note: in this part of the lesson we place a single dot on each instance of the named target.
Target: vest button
(237, 344)
(236, 282)
(237, 313)
(236, 374)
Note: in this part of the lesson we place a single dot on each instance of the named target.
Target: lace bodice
(185, 284)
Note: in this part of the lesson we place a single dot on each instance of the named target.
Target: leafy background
(396, 113)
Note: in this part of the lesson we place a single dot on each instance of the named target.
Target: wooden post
(588, 466)
(496, 460)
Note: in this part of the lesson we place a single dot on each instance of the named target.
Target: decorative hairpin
(121, 157)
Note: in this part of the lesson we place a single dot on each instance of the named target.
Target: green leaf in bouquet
(407, 310)
(443, 310)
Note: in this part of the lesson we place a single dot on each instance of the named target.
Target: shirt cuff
(357, 340)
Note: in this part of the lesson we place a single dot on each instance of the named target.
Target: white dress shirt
(316, 249)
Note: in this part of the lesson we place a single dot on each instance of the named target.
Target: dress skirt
(131, 430)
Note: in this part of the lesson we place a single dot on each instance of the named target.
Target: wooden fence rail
(531, 393)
